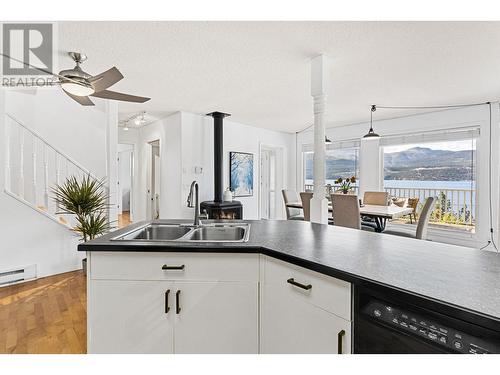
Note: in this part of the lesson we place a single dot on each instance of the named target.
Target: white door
(131, 317)
(217, 317)
(291, 325)
(264, 185)
(156, 208)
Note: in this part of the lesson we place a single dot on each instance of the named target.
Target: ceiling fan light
(77, 89)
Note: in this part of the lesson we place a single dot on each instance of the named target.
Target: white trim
(46, 214)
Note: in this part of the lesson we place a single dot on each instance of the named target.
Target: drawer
(326, 292)
(195, 266)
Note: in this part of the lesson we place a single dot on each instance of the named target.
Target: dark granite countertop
(456, 276)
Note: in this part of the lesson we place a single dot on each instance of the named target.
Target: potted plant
(345, 183)
(86, 199)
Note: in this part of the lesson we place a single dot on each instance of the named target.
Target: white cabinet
(291, 325)
(140, 306)
(130, 317)
(217, 317)
(303, 311)
(213, 303)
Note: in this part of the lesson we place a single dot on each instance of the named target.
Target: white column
(319, 77)
(112, 158)
(370, 166)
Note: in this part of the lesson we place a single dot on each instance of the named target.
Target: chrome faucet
(196, 204)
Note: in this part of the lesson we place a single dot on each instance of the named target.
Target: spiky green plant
(87, 199)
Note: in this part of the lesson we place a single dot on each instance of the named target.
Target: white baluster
(45, 176)
(8, 185)
(58, 177)
(33, 160)
(21, 163)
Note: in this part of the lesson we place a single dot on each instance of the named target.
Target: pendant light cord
(491, 241)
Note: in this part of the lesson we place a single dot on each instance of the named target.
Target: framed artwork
(241, 174)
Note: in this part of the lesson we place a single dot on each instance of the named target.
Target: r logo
(27, 42)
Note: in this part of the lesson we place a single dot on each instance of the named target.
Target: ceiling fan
(79, 85)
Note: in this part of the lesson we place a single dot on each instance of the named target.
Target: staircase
(33, 168)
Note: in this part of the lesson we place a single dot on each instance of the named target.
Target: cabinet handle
(167, 308)
(303, 286)
(340, 339)
(177, 302)
(166, 267)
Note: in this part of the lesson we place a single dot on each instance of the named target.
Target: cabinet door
(131, 317)
(217, 317)
(290, 325)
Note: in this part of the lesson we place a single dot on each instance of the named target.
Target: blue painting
(241, 174)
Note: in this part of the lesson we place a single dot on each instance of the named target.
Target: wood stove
(218, 209)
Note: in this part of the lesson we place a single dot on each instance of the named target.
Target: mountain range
(417, 163)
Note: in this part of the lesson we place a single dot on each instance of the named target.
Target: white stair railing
(31, 179)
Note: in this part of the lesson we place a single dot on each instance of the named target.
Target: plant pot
(84, 266)
(345, 191)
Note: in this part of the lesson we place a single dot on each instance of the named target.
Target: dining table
(379, 214)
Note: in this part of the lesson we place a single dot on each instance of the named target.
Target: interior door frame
(132, 178)
(280, 178)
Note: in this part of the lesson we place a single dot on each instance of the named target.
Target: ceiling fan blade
(105, 79)
(83, 100)
(41, 69)
(106, 94)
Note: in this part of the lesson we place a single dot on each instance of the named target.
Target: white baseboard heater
(15, 275)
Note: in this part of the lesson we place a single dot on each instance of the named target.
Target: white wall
(168, 132)
(186, 147)
(198, 151)
(440, 120)
(29, 237)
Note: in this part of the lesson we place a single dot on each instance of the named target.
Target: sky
(449, 146)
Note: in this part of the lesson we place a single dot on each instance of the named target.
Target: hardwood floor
(47, 315)
(124, 219)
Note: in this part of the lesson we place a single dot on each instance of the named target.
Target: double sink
(226, 232)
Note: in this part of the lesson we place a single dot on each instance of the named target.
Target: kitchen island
(245, 284)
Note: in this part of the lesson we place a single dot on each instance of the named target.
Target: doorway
(125, 184)
(154, 181)
(271, 181)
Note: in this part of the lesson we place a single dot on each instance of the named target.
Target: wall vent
(15, 275)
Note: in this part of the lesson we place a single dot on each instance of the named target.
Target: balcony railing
(454, 207)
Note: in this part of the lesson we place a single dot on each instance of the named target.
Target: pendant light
(371, 134)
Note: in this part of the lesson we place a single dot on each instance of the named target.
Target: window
(341, 160)
(438, 164)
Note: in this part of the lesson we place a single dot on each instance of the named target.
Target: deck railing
(454, 207)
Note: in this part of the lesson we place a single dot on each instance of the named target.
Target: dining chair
(292, 213)
(413, 203)
(346, 211)
(423, 222)
(377, 198)
(306, 204)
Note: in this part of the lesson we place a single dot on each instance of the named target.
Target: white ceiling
(260, 71)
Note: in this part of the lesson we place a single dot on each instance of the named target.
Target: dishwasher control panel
(412, 323)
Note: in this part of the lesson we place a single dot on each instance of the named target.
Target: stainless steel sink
(226, 232)
(219, 234)
(155, 232)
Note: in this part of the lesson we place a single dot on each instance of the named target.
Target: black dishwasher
(387, 321)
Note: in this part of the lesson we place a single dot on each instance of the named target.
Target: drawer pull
(177, 302)
(170, 268)
(167, 308)
(340, 339)
(303, 286)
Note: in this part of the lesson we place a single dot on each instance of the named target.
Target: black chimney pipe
(218, 154)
